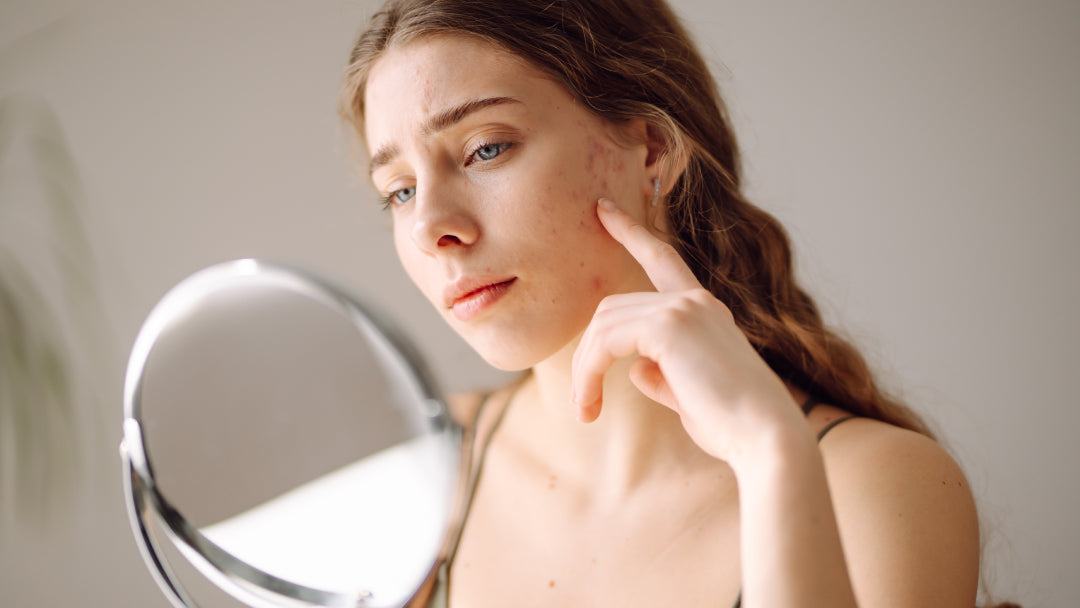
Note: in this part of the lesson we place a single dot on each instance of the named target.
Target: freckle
(551, 483)
(581, 264)
(551, 584)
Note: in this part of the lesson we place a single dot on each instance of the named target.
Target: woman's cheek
(598, 286)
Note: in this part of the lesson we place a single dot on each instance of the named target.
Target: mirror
(287, 443)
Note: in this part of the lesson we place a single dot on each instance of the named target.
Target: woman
(564, 188)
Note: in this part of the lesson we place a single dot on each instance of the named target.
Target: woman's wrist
(779, 447)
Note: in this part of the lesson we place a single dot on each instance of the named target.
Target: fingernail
(608, 205)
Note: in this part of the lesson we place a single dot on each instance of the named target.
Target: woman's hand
(693, 358)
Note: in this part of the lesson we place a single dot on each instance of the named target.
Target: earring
(656, 192)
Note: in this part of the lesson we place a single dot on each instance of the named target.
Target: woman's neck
(634, 441)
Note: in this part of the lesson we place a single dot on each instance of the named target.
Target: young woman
(564, 188)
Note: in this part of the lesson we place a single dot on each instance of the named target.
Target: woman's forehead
(431, 69)
(412, 82)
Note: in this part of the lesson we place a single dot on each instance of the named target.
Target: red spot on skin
(598, 156)
(597, 284)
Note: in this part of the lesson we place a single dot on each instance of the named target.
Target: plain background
(925, 157)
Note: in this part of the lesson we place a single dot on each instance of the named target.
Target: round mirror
(287, 443)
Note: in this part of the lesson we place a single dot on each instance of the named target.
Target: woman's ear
(668, 153)
(655, 144)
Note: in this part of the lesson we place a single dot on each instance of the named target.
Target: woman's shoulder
(464, 406)
(864, 446)
(903, 504)
(874, 460)
(479, 407)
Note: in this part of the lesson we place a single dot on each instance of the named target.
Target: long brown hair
(634, 60)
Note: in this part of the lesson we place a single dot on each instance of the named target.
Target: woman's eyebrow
(439, 122)
(449, 117)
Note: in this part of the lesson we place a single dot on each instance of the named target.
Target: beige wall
(924, 156)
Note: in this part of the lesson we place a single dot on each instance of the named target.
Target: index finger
(661, 262)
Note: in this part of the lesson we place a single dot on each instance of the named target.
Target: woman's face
(492, 172)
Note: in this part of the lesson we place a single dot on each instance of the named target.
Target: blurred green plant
(47, 301)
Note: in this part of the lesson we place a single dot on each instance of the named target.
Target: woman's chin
(512, 354)
(507, 362)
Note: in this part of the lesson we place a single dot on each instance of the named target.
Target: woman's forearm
(790, 543)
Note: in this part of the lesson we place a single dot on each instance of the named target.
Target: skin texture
(651, 457)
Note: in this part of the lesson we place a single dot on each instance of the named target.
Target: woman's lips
(475, 301)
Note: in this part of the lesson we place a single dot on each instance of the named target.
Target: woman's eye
(400, 196)
(490, 151)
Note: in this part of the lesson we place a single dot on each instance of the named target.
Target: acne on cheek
(597, 284)
(597, 153)
(589, 223)
(603, 164)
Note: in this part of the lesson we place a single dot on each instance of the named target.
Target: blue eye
(399, 197)
(490, 151)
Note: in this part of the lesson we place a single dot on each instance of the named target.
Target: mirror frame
(145, 500)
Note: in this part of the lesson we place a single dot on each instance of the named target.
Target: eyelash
(388, 200)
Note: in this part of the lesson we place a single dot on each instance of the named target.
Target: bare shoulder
(464, 406)
(906, 514)
(883, 461)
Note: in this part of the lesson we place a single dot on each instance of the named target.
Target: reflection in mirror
(294, 449)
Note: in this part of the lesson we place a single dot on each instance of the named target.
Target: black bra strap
(831, 425)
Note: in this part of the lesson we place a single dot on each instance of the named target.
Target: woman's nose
(440, 224)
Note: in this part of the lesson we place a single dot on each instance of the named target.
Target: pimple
(597, 284)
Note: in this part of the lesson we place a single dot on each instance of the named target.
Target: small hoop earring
(656, 192)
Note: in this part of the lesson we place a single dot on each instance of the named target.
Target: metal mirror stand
(145, 501)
